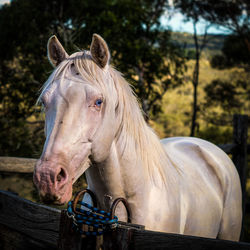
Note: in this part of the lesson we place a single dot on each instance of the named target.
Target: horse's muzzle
(53, 182)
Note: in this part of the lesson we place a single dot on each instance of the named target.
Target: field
(177, 104)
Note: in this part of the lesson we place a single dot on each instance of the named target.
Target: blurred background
(188, 62)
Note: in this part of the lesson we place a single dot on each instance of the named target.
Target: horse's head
(79, 100)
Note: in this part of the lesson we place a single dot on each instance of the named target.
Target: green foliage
(231, 14)
(216, 134)
(214, 42)
(218, 62)
(225, 97)
(141, 48)
(190, 54)
(235, 50)
(21, 139)
(18, 91)
(186, 41)
(234, 53)
(223, 93)
(234, 16)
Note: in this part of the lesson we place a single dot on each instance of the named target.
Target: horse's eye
(98, 102)
(73, 68)
(43, 103)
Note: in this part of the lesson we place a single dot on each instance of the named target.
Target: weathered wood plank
(16, 164)
(240, 152)
(24, 224)
(33, 220)
(68, 239)
(11, 239)
(143, 239)
(120, 238)
(240, 123)
(129, 238)
(117, 239)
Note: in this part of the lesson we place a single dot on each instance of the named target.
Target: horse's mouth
(60, 198)
(50, 199)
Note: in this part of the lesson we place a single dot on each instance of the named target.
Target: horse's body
(201, 195)
(94, 125)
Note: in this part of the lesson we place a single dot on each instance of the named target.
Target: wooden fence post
(240, 151)
(240, 123)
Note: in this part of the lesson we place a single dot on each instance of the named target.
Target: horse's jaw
(81, 169)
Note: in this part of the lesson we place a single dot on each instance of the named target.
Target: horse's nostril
(61, 176)
(58, 178)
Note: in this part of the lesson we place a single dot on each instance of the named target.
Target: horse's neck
(118, 176)
(125, 173)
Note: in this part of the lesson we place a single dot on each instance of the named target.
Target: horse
(94, 125)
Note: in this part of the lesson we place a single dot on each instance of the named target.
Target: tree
(224, 98)
(235, 17)
(190, 10)
(231, 95)
(141, 49)
(233, 54)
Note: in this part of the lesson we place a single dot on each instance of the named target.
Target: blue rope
(96, 218)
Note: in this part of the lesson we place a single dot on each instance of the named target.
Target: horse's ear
(56, 52)
(99, 51)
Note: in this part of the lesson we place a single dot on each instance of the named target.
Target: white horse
(94, 125)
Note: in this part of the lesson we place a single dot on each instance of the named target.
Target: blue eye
(98, 102)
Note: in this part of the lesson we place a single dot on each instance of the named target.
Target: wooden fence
(239, 149)
(27, 225)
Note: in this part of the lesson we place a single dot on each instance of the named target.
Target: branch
(197, 48)
(204, 40)
(157, 97)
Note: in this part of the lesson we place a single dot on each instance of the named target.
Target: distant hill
(214, 45)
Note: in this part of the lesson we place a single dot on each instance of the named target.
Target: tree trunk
(194, 115)
(195, 82)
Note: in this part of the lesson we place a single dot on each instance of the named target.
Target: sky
(4, 1)
(177, 23)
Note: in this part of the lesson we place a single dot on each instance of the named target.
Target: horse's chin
(62, 198)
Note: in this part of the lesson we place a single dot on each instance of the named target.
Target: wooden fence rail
(27, 225)
(17, 164)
